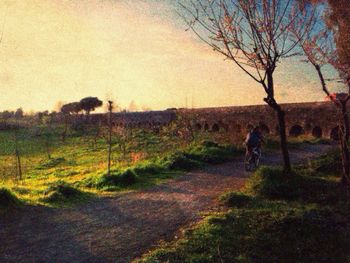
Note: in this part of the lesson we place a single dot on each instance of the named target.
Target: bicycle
(252, 159)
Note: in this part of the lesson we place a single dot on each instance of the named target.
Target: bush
(273, 183)
(60, 191)
(147, 168)
(180, 161)
(124, 179)
(127, 178)
(8, 199)
(234, 199)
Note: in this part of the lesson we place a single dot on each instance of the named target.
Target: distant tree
(254, 36)
(71, 108)
(19, 113)
(7, 114)
(89, 104)
(67, 110)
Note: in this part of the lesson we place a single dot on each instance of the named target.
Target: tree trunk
(110, 108)
(270, 100)
(283, 140)
(65, 128)
(18, 159)
(344, 139)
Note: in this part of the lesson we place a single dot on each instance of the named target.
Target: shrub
(234, 199)
(124, 179)
(8, 199)
(148, 168)
(127, 178)
(60, 191)
(274, 183)
(180, 161)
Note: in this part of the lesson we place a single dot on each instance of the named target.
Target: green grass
(303, 218)
(80, 161)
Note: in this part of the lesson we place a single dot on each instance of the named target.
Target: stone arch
(296, 131)
(198, 126)
(206, 127)
(215, 127)
(335, 136)
(317, 132)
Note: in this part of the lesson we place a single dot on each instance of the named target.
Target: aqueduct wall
(318, 119)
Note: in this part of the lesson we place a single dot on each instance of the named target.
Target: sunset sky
(127, 50)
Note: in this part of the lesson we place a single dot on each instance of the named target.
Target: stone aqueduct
(318, 119)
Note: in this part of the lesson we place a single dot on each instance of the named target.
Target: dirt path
(121, 228)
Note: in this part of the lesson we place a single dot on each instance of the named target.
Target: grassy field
(304, 218)
(57, 172)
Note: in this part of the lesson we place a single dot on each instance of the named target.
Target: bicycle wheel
(247, 162)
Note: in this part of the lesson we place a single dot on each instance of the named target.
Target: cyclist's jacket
(253, 139)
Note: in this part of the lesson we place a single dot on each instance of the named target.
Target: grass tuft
(61, 192)
(273, 183)
(53, 162)
(123, 179)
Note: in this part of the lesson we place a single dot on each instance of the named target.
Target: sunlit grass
(81, 159)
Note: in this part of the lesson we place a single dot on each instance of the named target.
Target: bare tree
(17, 154)
(110, 109)
(321, 48)
(254, 35)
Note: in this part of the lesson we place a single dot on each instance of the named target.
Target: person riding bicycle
(253, 140)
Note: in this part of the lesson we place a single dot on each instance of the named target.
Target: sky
(132, 51)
